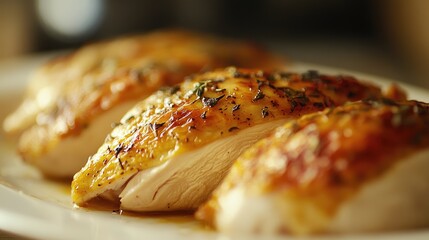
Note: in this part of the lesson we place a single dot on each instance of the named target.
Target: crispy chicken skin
(71, 101)
(354, 168)
(187, 137)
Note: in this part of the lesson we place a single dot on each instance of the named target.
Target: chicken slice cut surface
(361, 167)
(72, 101)
(171, 150)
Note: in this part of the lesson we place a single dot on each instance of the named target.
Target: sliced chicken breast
(172, 149)
(361, 167)
(72, 101)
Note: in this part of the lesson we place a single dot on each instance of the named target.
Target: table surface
(7, 236)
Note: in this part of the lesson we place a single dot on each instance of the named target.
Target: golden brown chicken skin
(354, 168)
(72, 100)
(178, 126)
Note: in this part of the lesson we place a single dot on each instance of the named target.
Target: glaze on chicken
(72, 101)
(172, 149)
(360, 167)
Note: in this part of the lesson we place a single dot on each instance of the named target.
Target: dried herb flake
(236, 107)
(264, 112)
(258, 96)
(211, 102)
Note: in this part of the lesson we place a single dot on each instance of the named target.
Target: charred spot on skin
(351, 94)
(204, 115)
(319, 105)
(274, 103)
(190, 128)
(238, 74)
(314, 93)
(296, 98)
(328, 102)
(233, 129)
(286, 75)
(336, 179)
(211, 102)
(291, 93)
(310, 75)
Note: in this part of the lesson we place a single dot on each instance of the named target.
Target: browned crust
(328, 156)
(206, 108)
(102, 75)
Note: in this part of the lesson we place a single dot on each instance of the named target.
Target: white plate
(34, 207)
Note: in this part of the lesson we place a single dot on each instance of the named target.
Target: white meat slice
(173, 148)
(357, 168)
(71, 101)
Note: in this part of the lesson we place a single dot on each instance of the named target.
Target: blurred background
(389, 38)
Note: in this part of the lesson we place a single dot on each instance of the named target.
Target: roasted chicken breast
(172, 149)
(356, 168)
(72, 101)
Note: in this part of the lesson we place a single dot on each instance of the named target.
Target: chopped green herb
(199, 90)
